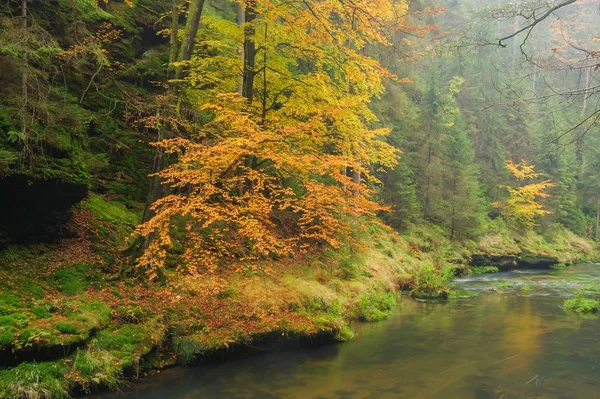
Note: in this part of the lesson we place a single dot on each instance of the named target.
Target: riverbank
(73, 322)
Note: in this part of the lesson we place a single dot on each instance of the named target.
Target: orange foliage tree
(288, 165)
(522, 206)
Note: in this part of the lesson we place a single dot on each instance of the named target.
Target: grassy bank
(71, 322)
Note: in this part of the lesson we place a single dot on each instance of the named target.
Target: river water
(516, 343)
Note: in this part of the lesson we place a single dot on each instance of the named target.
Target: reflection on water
(515, 344)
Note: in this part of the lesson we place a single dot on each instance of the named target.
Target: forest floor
(70, 323)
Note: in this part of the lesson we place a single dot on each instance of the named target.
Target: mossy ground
(72, 295)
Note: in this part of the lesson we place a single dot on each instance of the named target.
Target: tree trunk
(453, 224)
(356, 175)
(597, 219)
(24, 85)
(192, 24)
(173, 44)
(249, 51)
(241, 15)
(427, 184)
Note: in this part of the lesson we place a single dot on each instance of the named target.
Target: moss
(526, 288)
(476, 271)
(558, 266)
(9, 303)
(502, 285)
(344, 334)
(131, 313)
(113, 212)
(97, 314)
(65, 327)
(33, 336)
(591, 288)
(581, 304)
(186, 349)
(7, 335)
(70, 281)
(41, 312)
(34, 380)
(454, 293)
(376, 305)
(34, 290)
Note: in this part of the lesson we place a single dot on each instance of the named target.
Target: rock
(35, 210)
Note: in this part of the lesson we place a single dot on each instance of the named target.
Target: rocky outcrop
(34, 209)
(524, 260)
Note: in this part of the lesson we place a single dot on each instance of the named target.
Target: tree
(522, 207)
(268, 174)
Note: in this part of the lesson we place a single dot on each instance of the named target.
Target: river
(517, 343)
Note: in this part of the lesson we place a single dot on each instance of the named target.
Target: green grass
(376, 305)
(581, 304)
(99, 368)
(33, 381)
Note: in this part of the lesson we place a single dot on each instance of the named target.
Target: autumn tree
(522, 206)
(287, 165)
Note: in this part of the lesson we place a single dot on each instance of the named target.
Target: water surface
(518, 343)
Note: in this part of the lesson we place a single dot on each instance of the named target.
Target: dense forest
(180, 177)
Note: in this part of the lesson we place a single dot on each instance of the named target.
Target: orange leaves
(266, 178)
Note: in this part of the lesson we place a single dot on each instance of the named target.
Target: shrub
(431, 283)
(376, 305)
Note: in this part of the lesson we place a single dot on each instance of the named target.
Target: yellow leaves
(267, 179)
(522, 170)
(522, 207)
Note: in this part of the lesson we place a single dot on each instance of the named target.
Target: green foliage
(526, 288)
(581, 304)
(430, 282)
(376, 305)
(131, 313)
(19, 320)
(479, 270)
(344, 334)
(34, 380)
(6, 336)
(99, 368)
(41, 312)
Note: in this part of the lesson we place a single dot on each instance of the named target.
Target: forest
(185, 179)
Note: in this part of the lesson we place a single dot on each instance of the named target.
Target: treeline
(282, 126)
